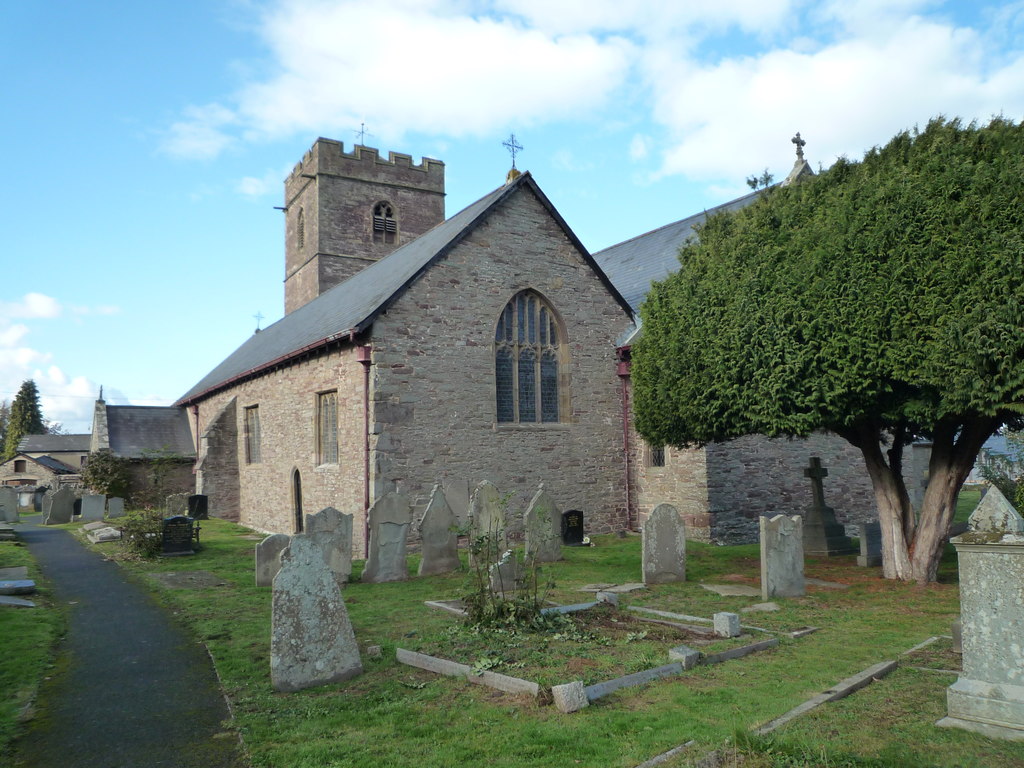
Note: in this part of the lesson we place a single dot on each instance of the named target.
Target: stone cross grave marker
(115, 507)
(572, 528)
(177, 536)
(870, 545)
(390, 518)
(332, 531)
(311, 637)
(9, 505)
(268, 558)
(61, 507)
(823, 536)
(198, 506)
(782, 557)
(440, 541)
(93, 507)
(486, 516)
(543, 526)
(988, 697)
(176, 504)
(664, 546)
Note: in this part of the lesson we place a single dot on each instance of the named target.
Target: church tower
(344, 211)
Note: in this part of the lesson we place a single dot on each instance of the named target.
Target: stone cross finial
(259, 318)
(800, 143)
(513, 147)
(817, 473)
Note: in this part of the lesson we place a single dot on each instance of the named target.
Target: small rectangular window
(327, 427)
(252, 435)
(655, 456)
(19, 465)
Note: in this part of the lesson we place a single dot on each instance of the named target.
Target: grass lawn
(394, 715)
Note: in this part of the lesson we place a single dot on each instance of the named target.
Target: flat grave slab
(15, 602)
(17, 587)
(456, 607)
(189, 579)
(14, 572)
(619, 589)
(825, 584)
(733, 590)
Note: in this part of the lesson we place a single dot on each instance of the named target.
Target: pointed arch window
(528, 355)
(385, 225)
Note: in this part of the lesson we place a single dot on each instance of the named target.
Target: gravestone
(311, 637)
(664, 546)
(870, 545)
(115, 507)
(572, 528)
(543, 523)
(457, 493)
(177, 536)
(198, 506)
(58, 508)
(486, 516)
(268, 558)
(507, 575)
(176, 504)
(440, 541)
(782, 557)
(93, 507)
(823, 535)
(989, 695)
(389, 518)
(332, 531)
(76, 507)
(726, 624)
(9, 505)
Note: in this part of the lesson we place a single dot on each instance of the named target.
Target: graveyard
(386, 712)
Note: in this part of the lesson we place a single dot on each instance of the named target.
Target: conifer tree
(26, 418)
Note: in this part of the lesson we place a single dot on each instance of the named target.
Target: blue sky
(145, 143)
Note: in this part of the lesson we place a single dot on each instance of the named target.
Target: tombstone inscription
(177, 536)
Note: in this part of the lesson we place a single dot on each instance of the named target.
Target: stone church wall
(217, 467)
(433, 374)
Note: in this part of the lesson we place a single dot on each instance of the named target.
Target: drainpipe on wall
(622, 369)
(363, 356)
(195, 412)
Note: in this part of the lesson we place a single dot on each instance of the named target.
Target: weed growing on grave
(141, 532)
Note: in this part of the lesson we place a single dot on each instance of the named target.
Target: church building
(490, 345)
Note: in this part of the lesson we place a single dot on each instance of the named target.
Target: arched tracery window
(385, 226)
(528, 352)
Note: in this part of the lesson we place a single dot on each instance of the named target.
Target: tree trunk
(893, 504)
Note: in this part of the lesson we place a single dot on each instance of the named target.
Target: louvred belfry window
(385, 226)
(528, 352)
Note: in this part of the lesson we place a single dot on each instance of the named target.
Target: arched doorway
(297, 500)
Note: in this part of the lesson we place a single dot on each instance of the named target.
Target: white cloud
(639, 147)
(257, 186)
(32, 305)
(201, 134)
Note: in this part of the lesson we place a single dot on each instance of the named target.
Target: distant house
(155, 439)
(72, 450)
(26, 470)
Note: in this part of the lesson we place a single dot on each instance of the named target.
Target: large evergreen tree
(26, 418)
(882, 300)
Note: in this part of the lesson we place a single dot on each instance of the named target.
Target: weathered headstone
(115, 507)
(332, 531)
(268, 558)
(486, 517)
(572, 528)
(437, 532)
(58, 508)
(543, 523)
(506, 575)
(823, 535)
(9, 505)
(389, 520)
(457, 493)
(989, 695)
(870, 545)
(664, 546)
(93, 507)
(311, 639)
(177, 536)
(782, 557)
(176, 504)
(198, 506)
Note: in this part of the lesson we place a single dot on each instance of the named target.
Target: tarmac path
(132, 689)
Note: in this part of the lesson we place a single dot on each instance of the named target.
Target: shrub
(142, 532)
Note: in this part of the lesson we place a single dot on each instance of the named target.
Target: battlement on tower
(328, 156)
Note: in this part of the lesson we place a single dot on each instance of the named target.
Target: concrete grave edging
(454, 669)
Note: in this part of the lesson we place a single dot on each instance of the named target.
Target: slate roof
(55, 466)
(137, 431)
(349, 308)
(48, 443)
(636, 263)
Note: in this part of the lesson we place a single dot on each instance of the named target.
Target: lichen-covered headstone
(61, 507)
(9, 505)
(115, 507)
(543, 526)
(176, 504)
(93, 507)
(268, 558)
(487, 516)
(507, 575)
(989, 695)
(664, 546)
(389, 520)
(332, 531)
(311, 638)
(437, 532)
(782, 557)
